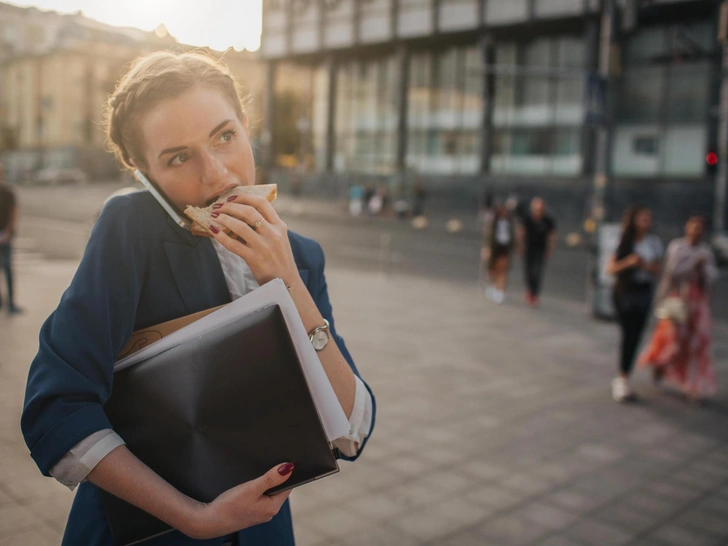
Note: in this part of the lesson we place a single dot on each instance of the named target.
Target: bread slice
(202, 216)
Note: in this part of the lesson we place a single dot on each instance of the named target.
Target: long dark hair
(626, 243)
(629, 230)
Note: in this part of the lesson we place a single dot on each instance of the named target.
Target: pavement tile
(307, 536)
(425, 524)
(335, 522)
(676, 535)
(511, 530)
(485, 471)
(38, 536)
(628, 518)
(376, 507)
(573, 500)
(651, 504)
(560, 540)
(525, 483)
(603, 534)
(378, 535)
(704, 521)
(547, 515)
(495, 497)
(464, 538)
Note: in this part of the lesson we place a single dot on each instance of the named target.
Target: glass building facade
(662, 102)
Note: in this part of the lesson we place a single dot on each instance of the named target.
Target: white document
(275, 292)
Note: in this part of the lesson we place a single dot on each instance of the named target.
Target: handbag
(672, 308)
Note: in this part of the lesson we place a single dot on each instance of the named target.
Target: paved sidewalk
(495, 427)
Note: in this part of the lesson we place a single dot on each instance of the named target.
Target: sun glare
(218, 24)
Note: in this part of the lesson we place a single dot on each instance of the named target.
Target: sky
(218, 24)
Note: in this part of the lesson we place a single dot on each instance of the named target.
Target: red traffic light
(711, 158)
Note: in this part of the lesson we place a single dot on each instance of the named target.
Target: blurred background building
(502, 95)
(56, 72)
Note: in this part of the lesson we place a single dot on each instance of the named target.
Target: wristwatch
(319, 336)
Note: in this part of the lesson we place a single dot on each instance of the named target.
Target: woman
(681, 346)
(636, 264)
(179, 119)
(499, 240)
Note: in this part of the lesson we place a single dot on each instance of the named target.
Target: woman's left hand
(259, 236)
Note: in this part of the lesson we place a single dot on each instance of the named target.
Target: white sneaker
(489, 290)
(620, 389)
(498, 296)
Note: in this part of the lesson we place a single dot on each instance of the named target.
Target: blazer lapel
(197, 272)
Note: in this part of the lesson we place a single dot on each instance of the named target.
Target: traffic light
(711, 162)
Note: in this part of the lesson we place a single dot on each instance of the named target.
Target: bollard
(385, 254)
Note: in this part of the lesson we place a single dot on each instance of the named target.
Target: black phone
(166, 205)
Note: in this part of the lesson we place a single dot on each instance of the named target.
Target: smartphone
(171, 210)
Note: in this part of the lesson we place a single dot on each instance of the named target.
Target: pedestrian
(8, 223)
(179, 119)
(636, 265)
(681, 347)
(499, 242)
(536, 243)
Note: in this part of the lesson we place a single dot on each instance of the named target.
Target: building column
(267, 137)
(487, 48)
(591, 66)
(403, 61)
(331, 114)
(721, 182)
(603, 183)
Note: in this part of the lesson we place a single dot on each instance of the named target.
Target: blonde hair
(152, 79)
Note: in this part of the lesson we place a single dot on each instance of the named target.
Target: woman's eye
(227, 136)
(179, 159)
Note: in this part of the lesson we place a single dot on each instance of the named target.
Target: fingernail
(215, 214)
(286, 469)
(218, 205)
(232, 198)
(214, 229)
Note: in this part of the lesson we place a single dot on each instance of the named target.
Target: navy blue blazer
(139, 269)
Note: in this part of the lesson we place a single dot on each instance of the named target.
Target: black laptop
(214, 412)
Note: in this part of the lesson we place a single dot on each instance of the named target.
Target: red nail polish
(214, 229)
(217, 206)
(232, 198)
(215, 214)
(286, 469)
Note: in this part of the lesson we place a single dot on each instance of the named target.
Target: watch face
(320, 339)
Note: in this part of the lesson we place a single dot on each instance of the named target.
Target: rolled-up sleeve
(360, 422)
(71, 377)
(78, 463)
(368, 420)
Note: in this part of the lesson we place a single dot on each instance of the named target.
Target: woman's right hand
(633, 260)
(240, 507)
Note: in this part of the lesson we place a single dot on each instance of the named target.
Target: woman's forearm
(125, 476)
(337, 369)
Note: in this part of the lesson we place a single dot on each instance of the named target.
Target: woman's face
(196, 147)
(694, 229)
(643, 221)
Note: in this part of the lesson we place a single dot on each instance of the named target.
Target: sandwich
(202, 216)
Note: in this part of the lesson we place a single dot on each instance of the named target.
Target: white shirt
(650, 249)
(73, 468)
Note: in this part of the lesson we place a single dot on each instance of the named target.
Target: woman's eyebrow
(220, 126)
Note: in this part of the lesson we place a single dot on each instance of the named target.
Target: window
(366, 116)
(663, 99)
(539, 107)
(445, 109)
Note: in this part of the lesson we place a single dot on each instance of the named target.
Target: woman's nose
(212, 168)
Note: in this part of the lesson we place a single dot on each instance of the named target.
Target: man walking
(537, 240)
(8, 219)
